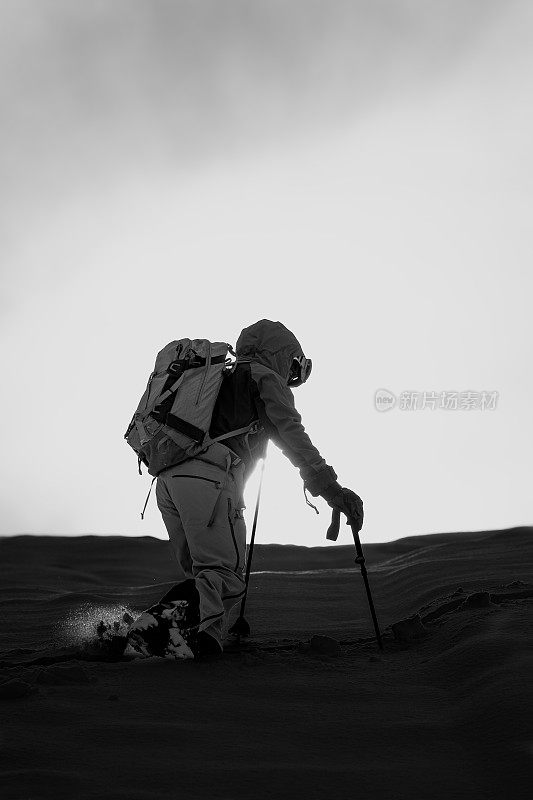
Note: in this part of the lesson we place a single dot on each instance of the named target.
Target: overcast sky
(361, 171)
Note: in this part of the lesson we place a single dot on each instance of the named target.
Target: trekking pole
(240, 627)
(333, 532)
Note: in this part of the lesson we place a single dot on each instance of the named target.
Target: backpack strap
(167, 393)
(195, 449)
(252, 428)
(207, 365)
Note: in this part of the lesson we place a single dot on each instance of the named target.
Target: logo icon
(384, 400)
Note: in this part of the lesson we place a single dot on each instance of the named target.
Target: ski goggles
(300, 371)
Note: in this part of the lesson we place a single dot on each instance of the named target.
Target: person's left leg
(175, 530)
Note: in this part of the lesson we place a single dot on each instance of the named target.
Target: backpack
(172, 421)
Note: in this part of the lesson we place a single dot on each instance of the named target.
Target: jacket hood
(271, 344)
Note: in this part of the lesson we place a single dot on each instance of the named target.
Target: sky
(360, 171)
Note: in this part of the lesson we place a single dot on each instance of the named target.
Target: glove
(348, 503)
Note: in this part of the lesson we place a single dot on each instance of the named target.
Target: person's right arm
(287, 431)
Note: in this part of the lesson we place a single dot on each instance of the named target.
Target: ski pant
(214, 555)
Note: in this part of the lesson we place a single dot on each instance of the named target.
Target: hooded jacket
(257, 390)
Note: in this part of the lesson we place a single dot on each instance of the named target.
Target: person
(201, 499)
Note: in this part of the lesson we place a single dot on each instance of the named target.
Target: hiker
(201, 499)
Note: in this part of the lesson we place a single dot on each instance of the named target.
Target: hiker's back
(236, 408)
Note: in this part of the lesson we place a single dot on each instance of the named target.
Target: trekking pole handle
(333, 530)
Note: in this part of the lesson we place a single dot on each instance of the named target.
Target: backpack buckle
(175, 367)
